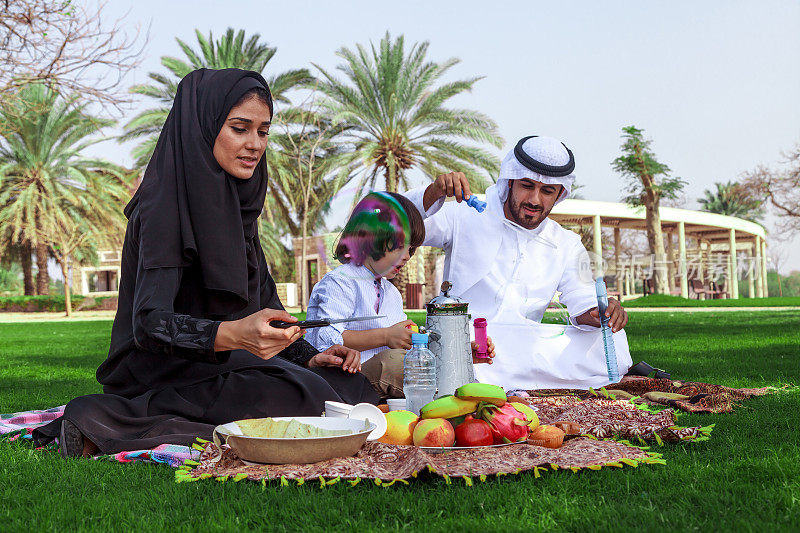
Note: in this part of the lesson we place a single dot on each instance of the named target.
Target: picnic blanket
(385, 464)
(690, 396)
(620, 419)
(606, 427)
(20, 426)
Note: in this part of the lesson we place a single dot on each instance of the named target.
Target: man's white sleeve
(576, 285)
(438, 221)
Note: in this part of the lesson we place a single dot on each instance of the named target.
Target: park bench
(697, 288)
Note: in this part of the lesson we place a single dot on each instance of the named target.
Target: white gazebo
(708, 232)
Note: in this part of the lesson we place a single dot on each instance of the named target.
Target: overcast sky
(714, 84)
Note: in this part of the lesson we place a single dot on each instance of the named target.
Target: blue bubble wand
(476, 203)
(608, 339)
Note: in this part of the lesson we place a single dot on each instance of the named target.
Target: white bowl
(370, 413)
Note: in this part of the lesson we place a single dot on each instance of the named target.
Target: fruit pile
(477, 415)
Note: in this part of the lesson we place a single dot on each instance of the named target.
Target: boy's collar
(374, 275)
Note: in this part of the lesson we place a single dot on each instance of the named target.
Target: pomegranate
(472, 432)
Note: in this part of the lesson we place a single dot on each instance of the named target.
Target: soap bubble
(378, 226)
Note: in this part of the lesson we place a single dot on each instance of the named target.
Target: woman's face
(243, 138)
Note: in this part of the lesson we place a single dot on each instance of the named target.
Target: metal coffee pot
(447, 325)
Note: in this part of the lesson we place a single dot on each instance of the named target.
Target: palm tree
(44, 177)
(394, 103)
(732, 199)
(648, 183)
(229, 51)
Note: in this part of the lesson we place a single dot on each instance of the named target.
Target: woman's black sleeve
(300, 351)
(157, 328)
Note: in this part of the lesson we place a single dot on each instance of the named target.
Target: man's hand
(618, 317)
(337, 355)
(452, 184)
(489, 352)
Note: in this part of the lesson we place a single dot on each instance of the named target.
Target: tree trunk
(26, 261)
(431, 290)
(391, 179)
(401, 282)
(303, 266)
(42, 277)
(67, 300)
(655, 239)
(670, 263)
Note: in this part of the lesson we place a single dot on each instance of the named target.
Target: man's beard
(526, 220)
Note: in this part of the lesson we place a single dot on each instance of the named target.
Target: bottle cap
(419, 338)
(479, 323)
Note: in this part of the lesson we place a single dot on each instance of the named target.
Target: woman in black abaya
(191, 345)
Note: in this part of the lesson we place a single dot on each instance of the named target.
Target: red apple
(434, 432)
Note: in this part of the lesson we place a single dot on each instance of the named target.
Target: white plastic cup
(337, 409)
(396, 404)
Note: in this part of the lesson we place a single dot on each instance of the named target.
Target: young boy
(381, 235)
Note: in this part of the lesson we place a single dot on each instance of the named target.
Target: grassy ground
(747, 477)
(663, 300)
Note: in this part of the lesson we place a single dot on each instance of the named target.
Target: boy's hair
(379, 223)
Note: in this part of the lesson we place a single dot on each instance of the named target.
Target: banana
(482, 392)
(447, 407)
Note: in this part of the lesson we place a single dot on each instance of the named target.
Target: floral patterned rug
(606, 428)
(690, 396)
(385, 464)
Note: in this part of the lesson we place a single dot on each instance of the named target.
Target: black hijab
(191, 210)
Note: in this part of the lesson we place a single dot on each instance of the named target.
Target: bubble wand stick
(608, 340)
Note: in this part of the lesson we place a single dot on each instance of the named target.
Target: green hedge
(53, 303)
(663, 300)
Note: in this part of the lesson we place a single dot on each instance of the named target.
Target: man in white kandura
(509, 261)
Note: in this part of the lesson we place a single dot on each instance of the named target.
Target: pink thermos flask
(480, 337)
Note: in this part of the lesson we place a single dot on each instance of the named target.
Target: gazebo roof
(701, 224)
(708, 226)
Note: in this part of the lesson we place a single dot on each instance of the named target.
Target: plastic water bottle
(419, 373)
(608, 339)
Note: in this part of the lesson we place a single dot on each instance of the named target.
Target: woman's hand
(338, 355)
(489, 352)
(254, 334)
(399, 335)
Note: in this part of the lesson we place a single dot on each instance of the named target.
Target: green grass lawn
(747, 477)
(664, 300)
